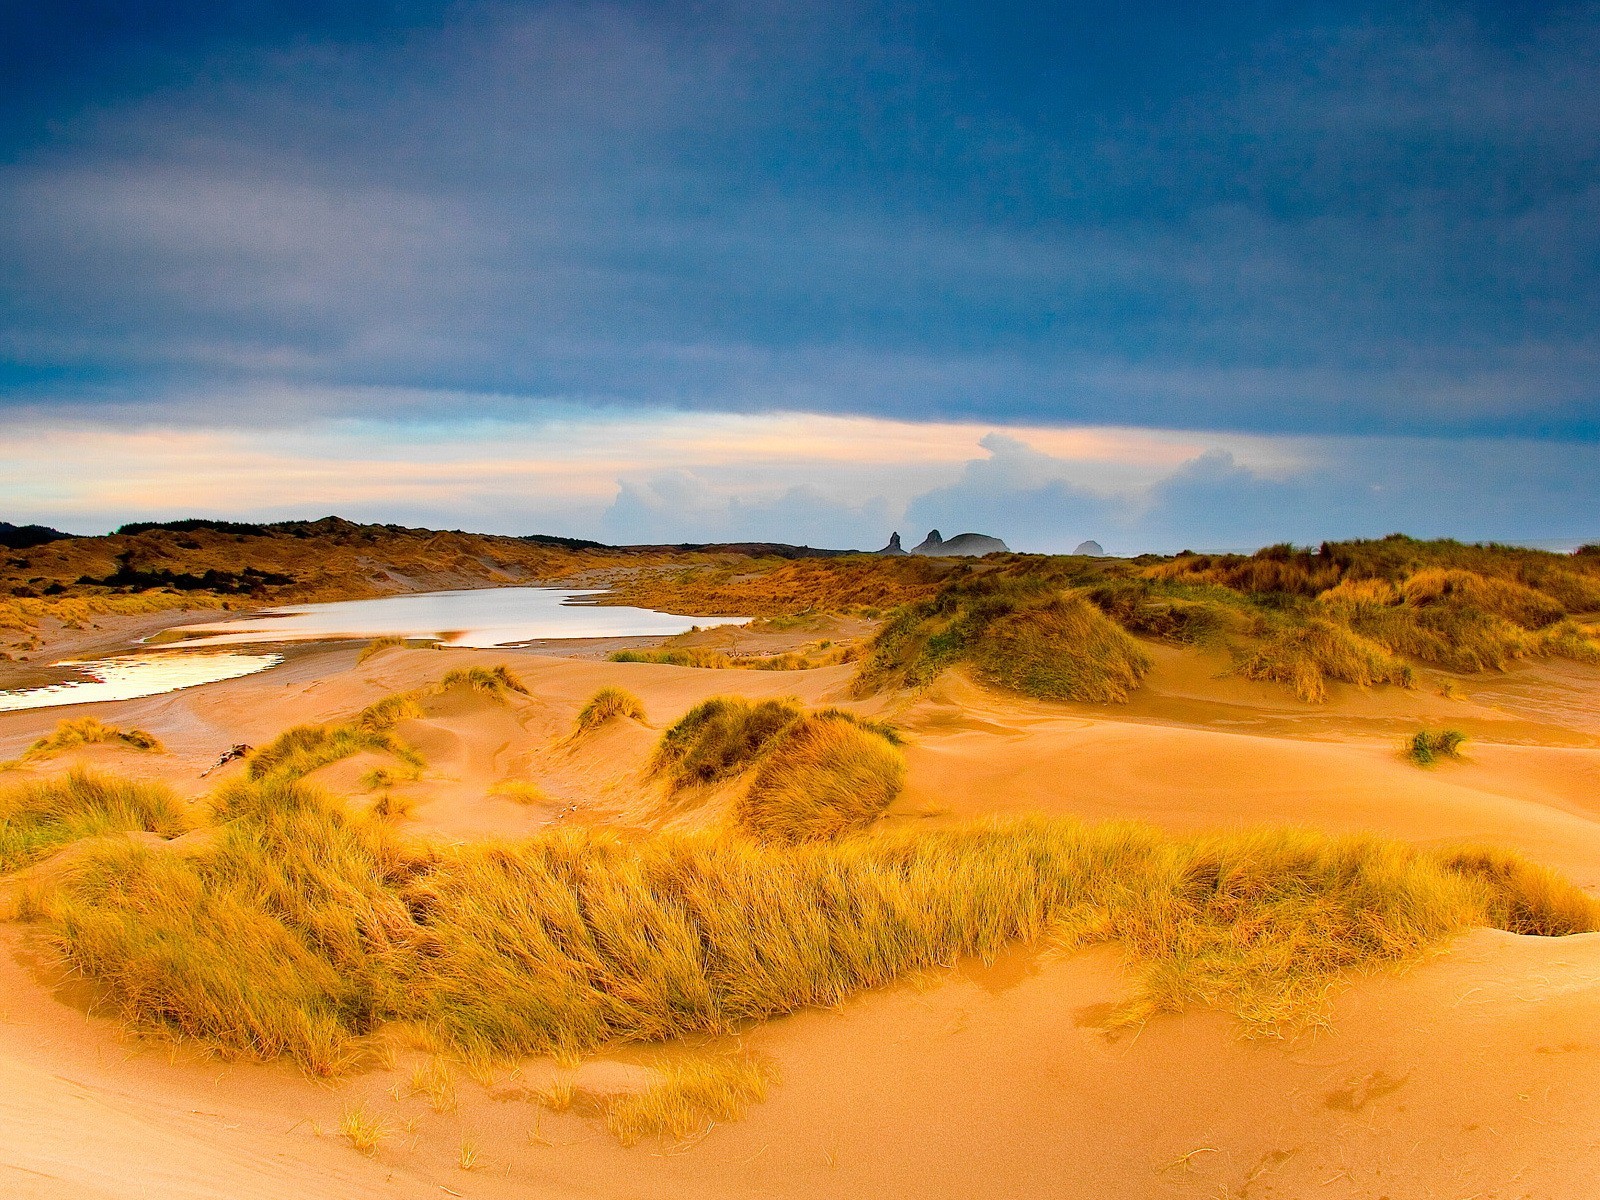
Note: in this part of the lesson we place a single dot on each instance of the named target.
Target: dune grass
(494, 680)
(1427, 746)
(89, 731)
(363, 1130)
(301, 926)
(807, 658)
(688, 1096)
(1018, 633)
(378, 645)
(297, 752)
(37, 818)
(521, 791)
(606, 705)
(823, 775)
(720, 738)
(1307, 656)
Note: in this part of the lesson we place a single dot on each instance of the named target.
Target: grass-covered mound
(86, 731)
(297, 752)
(608, 704)
(811, 774)
(301, 926)
(37, 818)
(1018, 633)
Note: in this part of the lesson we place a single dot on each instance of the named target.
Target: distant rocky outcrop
(1091, 548)
(963, 545)
(894, 546)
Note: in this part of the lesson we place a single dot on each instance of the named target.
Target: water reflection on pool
(136, 676)
(485, 617)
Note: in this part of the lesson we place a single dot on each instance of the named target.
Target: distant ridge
(963, 545)
(1091, 548)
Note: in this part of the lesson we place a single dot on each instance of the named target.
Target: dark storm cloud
(1321, 219)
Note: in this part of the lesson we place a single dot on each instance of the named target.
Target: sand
(1470, 1074)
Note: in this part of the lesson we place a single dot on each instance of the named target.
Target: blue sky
(1159, 274)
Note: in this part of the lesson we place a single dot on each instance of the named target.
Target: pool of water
(485, 617)
(135, 676)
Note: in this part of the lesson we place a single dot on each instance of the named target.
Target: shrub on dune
(1017, 633)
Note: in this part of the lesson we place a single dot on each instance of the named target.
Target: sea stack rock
(894, 546)
(963, 545)
(1091, 548)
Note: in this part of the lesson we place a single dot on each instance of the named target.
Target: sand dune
(1469, 1074)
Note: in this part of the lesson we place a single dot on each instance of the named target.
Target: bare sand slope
(1469, 1075)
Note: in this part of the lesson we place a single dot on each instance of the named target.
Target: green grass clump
(688, 1096)
(607, 704)
(300, 926)
(823, 775)
(38, 818)
(494, 680)
(1427, 747)
(1065, 649)
(720, 738)
(89, 731)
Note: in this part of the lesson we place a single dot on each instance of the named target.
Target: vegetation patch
(1022, 634)
(688, 1096)
(496, 681)
(1306, 655)
(608, 704)
(301, 926)
(823, 775)
(1428, 746)
(89, 731)
(38, 818)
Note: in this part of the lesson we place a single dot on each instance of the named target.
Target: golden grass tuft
(435, 1081)
(37, 818)
(363, 1130)
(494, 680)
(1305, 657)
(90, 731)
(378, 646)
(606, 705)
(561, 1096)
(520, 791)
(822, 776)
(301, 927)
(689, 1096)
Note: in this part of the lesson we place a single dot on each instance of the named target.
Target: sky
(1163, 275)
